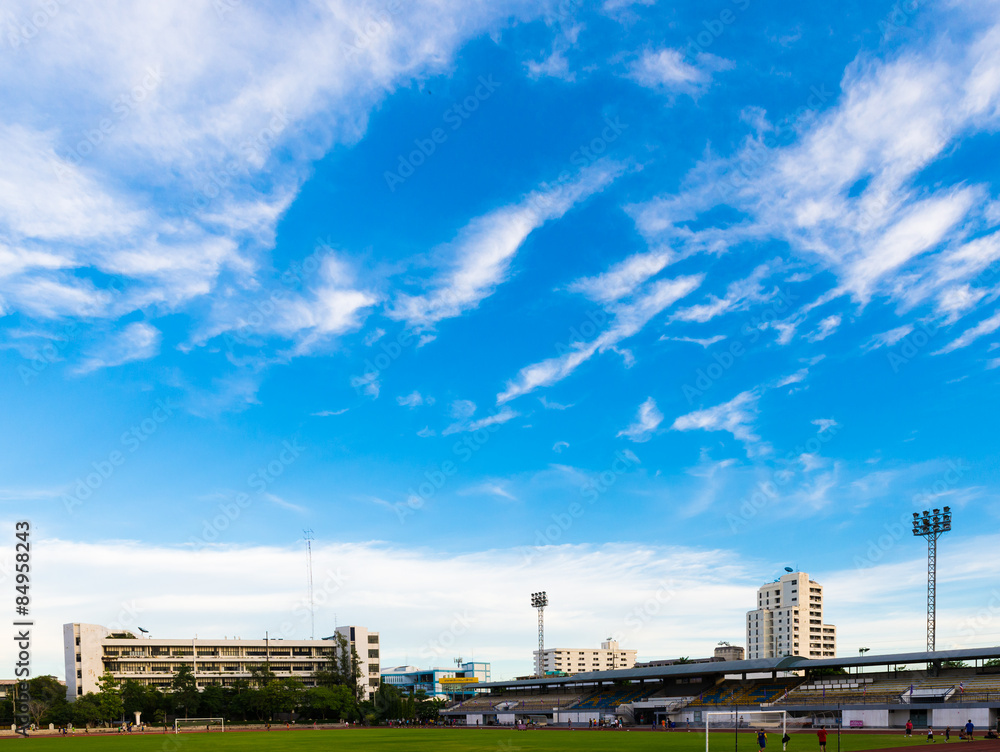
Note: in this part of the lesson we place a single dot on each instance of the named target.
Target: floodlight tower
(931, 525)
(540, 601)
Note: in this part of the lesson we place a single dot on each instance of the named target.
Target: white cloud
(550, 405)
(368, 384)
(136, 341)
(667, 69)
(330, 413)
(795, 378)
(738, 297)
(481, 255)
(984, 327)
(736, 417)
(258, 588)
(845, 194)
(463, 410)
(647, 420)
(559, 446)
(826, 327)
(414, 399)
(629, 319)
(622, 279)
(706, 342)
(426, 432)
(889, 338)
(825, 424)
(489, 488)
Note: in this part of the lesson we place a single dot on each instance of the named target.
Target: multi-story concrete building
(444, 683)
(578, 660)
(366, 645)
(788, 620)
(90, 650)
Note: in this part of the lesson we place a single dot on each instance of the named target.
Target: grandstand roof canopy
(758, 666)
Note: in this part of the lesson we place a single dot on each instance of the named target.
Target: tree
(954, 664)
(184, 691)
(48, 700)
(213, 701)
(109, 699)
(343, 668)
(86, 710)
(328, 703)
(992, 663)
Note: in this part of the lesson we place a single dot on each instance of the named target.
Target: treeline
(263, 697)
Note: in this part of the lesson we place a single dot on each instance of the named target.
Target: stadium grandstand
(940, 689)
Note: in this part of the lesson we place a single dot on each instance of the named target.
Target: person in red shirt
(822, 739)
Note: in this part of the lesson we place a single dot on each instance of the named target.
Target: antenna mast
(308, 535)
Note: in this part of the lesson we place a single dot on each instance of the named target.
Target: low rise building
(568, 661)
(443, 683)
(90, 650)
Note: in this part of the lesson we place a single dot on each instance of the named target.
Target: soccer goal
(750, 720)
(199, 724)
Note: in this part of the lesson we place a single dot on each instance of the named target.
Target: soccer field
(460, 740)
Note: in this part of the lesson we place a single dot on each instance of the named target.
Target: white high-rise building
(788, 620)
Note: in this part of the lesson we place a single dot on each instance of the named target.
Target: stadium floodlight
(932, 525)
(540, 600)
(862, 651)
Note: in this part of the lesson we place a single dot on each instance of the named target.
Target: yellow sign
(459, 680)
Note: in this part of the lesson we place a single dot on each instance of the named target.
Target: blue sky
(506, 296)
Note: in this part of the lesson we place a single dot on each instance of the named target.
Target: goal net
(768, 721)
(199, 724)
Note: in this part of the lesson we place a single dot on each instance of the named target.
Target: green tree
(993, 662)
(48, 701)
(86, 710)
(328, 703)
(213, 701)
(109, 699)
(184, 691)
(954, 664)
(343, 668)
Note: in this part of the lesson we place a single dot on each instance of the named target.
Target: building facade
(90, 650)
(788, 620)
(443, 683)
(366, 645)
(576, 661)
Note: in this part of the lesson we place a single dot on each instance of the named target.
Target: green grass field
(459, 740)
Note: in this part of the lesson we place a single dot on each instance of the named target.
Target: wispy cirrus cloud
(647, 420)
(479, 259)
(629, 319)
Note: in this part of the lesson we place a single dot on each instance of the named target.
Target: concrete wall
(957, 717)
(870, 718)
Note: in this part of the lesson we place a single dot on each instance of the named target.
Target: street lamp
(932, 525)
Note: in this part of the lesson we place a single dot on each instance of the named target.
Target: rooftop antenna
(308, 535)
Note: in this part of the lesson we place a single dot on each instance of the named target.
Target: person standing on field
(822, 739)
(761, 740)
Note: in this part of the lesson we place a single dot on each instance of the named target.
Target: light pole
(931, 525)
(540, 600)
